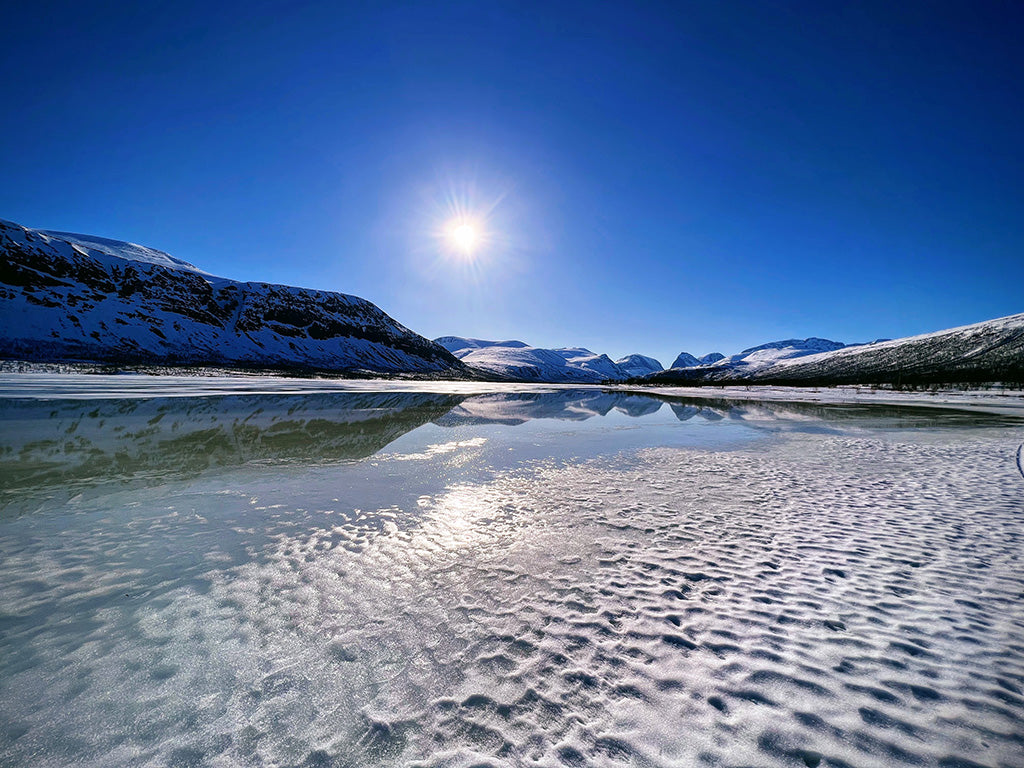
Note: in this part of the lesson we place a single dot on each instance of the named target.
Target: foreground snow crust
(836, 598)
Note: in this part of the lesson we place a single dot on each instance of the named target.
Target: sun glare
(464, 236)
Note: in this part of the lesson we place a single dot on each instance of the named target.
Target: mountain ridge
(988, 351)
(65, 296)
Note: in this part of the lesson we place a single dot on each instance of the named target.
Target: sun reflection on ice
(438, 449)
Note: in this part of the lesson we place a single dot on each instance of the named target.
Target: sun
(464, 236)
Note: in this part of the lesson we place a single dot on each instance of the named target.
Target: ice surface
(464, 587)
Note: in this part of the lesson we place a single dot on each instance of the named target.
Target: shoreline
(63, 384)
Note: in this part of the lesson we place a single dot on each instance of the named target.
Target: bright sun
(464, 236)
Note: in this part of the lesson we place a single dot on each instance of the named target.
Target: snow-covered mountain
(455, 343)
(65, 296)
(756, 358)
(519, 361)
(711, 357)
(686, 360)
(638, 365)
(983, 352)
(765, 355)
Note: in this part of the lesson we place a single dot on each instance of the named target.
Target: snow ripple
(828, 600)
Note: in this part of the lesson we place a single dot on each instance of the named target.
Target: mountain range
(990, 351)
(68, 297)
(517, 360)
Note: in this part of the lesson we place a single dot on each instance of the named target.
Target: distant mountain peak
(517, 360)
(638, 365)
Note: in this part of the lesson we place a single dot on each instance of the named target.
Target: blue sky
(659, 177)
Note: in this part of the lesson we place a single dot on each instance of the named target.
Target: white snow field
(542, 577)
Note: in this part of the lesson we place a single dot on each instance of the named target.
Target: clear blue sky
(661, 177)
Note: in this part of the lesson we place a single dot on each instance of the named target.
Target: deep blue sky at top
(664, 177)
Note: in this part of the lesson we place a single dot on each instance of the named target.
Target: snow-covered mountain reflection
(66, 443)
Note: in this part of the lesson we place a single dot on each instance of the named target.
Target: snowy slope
(528, 364)
(638, 365)
(685, 360)
(456, 343)
(68, 296)
(989, 351)
(584, 359)
(94, 246)
(765, 355)
(752, 359)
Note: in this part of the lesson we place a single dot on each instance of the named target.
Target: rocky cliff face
(68, 296)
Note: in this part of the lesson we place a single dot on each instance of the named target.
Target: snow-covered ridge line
(78, 297)
(519, 361)
(989, 351)
(116, 248)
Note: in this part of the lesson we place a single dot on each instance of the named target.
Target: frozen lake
(236, 572)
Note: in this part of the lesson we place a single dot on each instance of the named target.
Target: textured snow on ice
(833, 599)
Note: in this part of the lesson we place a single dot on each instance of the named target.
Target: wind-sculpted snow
(850, 596)
(81, 297)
